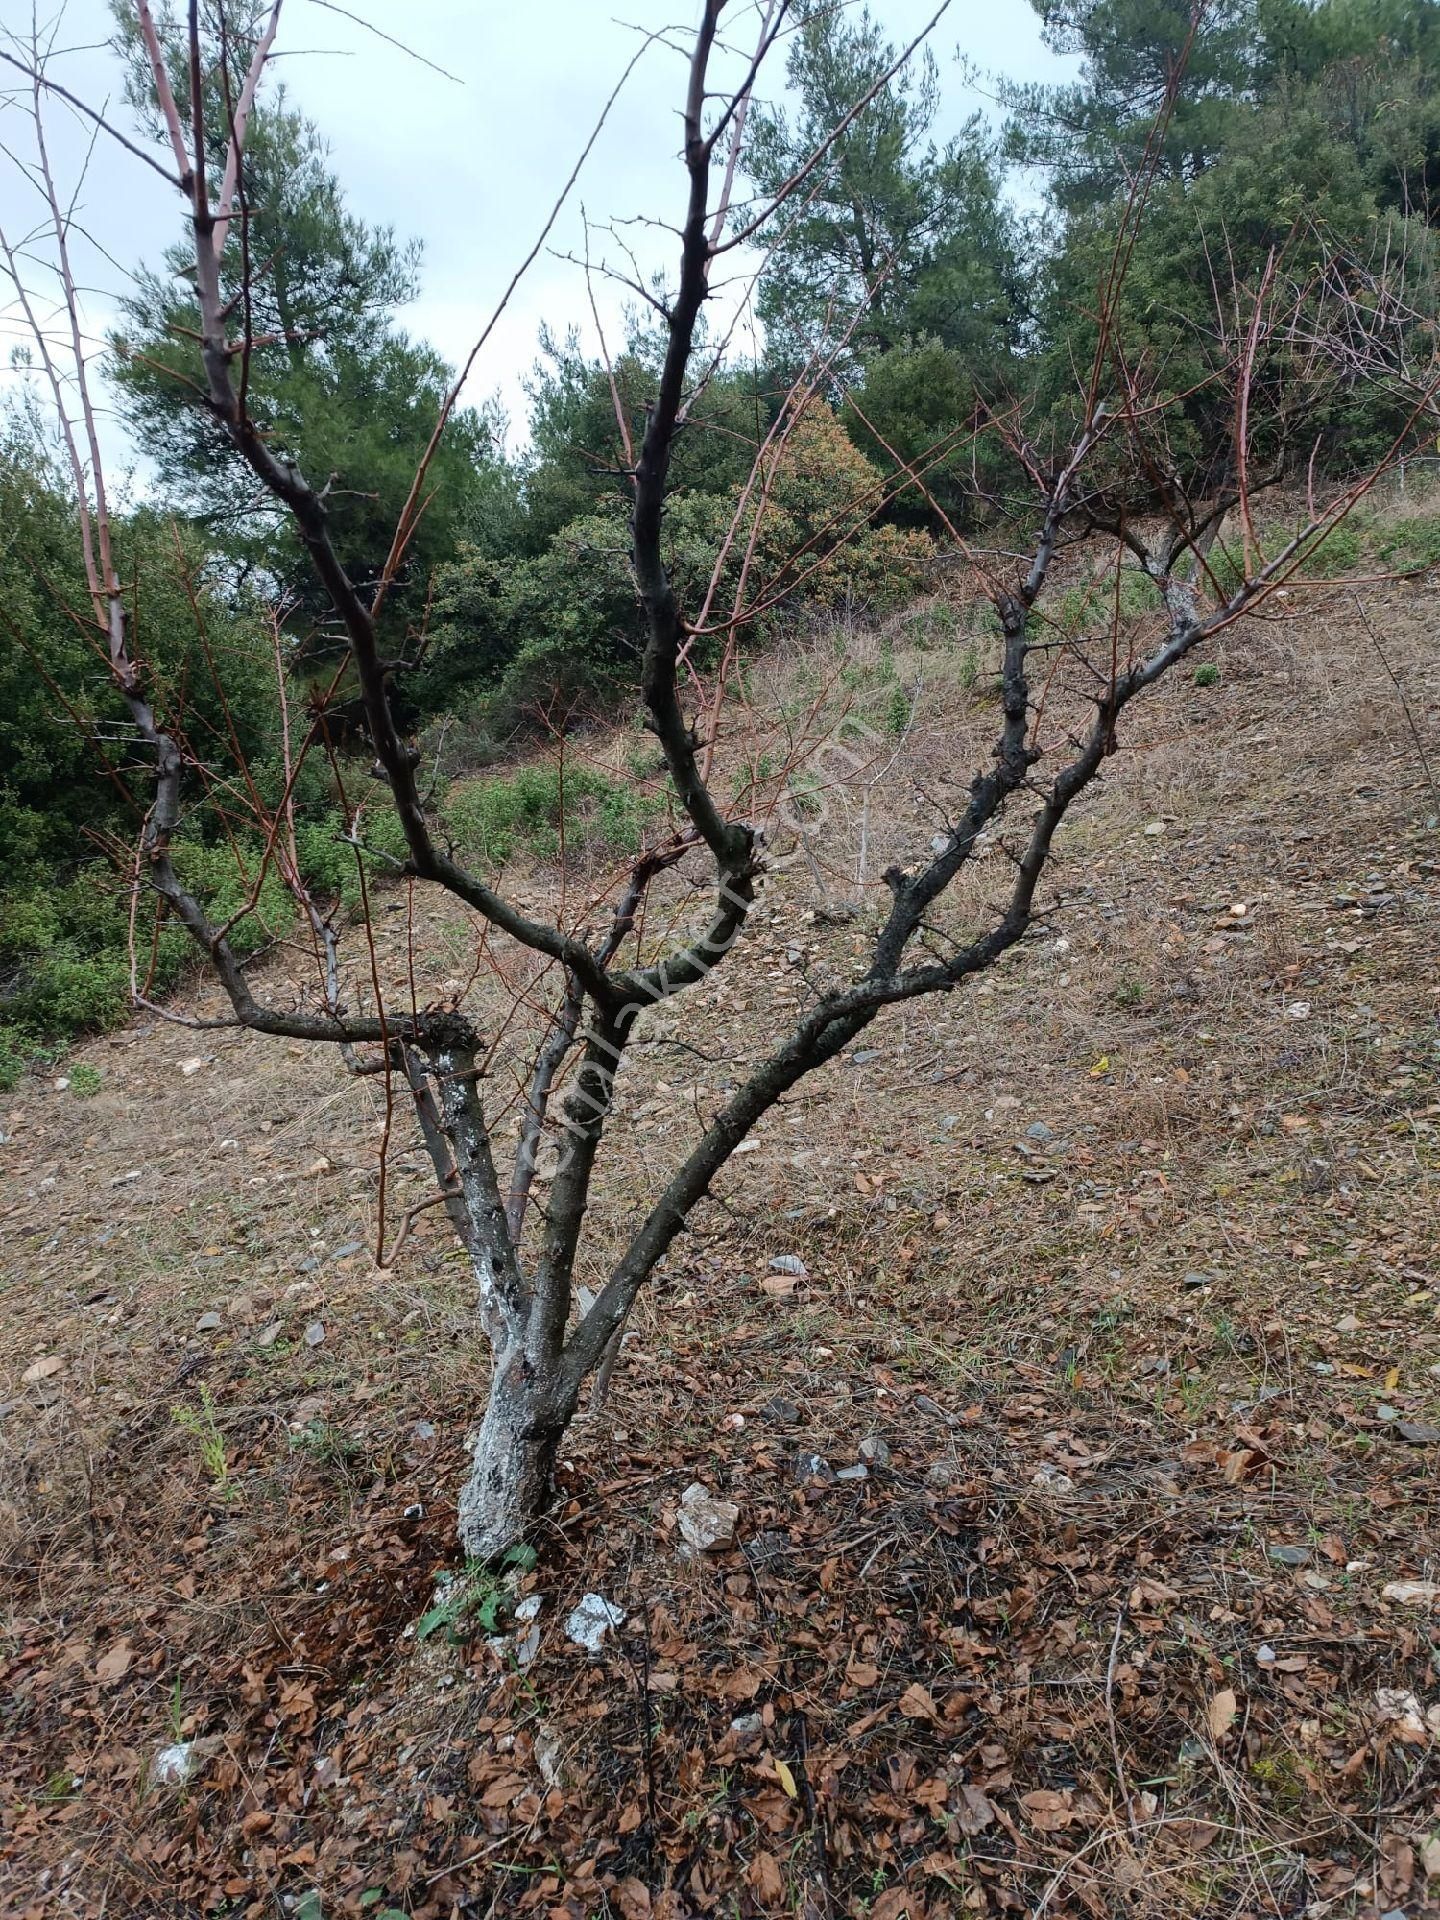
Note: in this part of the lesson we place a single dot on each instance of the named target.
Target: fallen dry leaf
(1049, 1811)
(975, 1811)
(115, 1664)
(1223, 1709)
(897, 1903)
(780, 1286)
(916, 1703)
(632, 1897)
(1236, 1465)
(765, 1880)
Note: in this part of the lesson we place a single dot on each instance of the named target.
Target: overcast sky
(470, 165)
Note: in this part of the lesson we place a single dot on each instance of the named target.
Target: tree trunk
(513, 1452)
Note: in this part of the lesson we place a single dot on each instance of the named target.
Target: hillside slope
(1127, 1257)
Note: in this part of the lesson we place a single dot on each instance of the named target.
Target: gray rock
(874, 1452)
(853, 1473)
(209, 1323)
(550, 1757)
(780, 1412)
(748, 1726)
(349, 1250)
(1289, 1556)
(315, 1333)
(1037, 1130)
(864, 1056)
(707, 1524)
(1419, 1433)
(812, 1466)
(763, 1549)
(267, 1336)
(1193, 1280)
(790, 1263)
(527, 1629)
(1051, 1478)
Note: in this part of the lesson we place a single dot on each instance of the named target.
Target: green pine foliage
(1304, 132)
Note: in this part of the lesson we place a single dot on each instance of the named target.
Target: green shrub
(65, 948)
(932, 625)
(562, 627)
(16, 1051)
(1337, 554)
(493, 819)
(1412, 544)
(1093, 606)
(1207, 674)
(85, 1081)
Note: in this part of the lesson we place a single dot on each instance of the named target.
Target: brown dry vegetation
(1045, 1660)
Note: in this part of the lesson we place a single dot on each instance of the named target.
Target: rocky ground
(1019, 1494)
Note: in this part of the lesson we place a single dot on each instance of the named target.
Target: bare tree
(1063, 702)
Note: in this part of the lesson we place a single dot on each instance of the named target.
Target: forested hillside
(927, 309)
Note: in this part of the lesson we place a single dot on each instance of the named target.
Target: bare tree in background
(1063, 702)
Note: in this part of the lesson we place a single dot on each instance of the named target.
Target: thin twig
(1400, 693)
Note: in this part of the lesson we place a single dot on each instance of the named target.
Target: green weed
(201, 1424)
(472, 1598)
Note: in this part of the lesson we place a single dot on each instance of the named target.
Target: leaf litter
(1127, 1430)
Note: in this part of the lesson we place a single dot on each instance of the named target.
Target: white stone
(174, 1765)
(705, 1522)
(592, 1620)
(1412, 1593)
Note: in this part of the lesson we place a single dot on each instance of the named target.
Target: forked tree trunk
(513, 1453)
